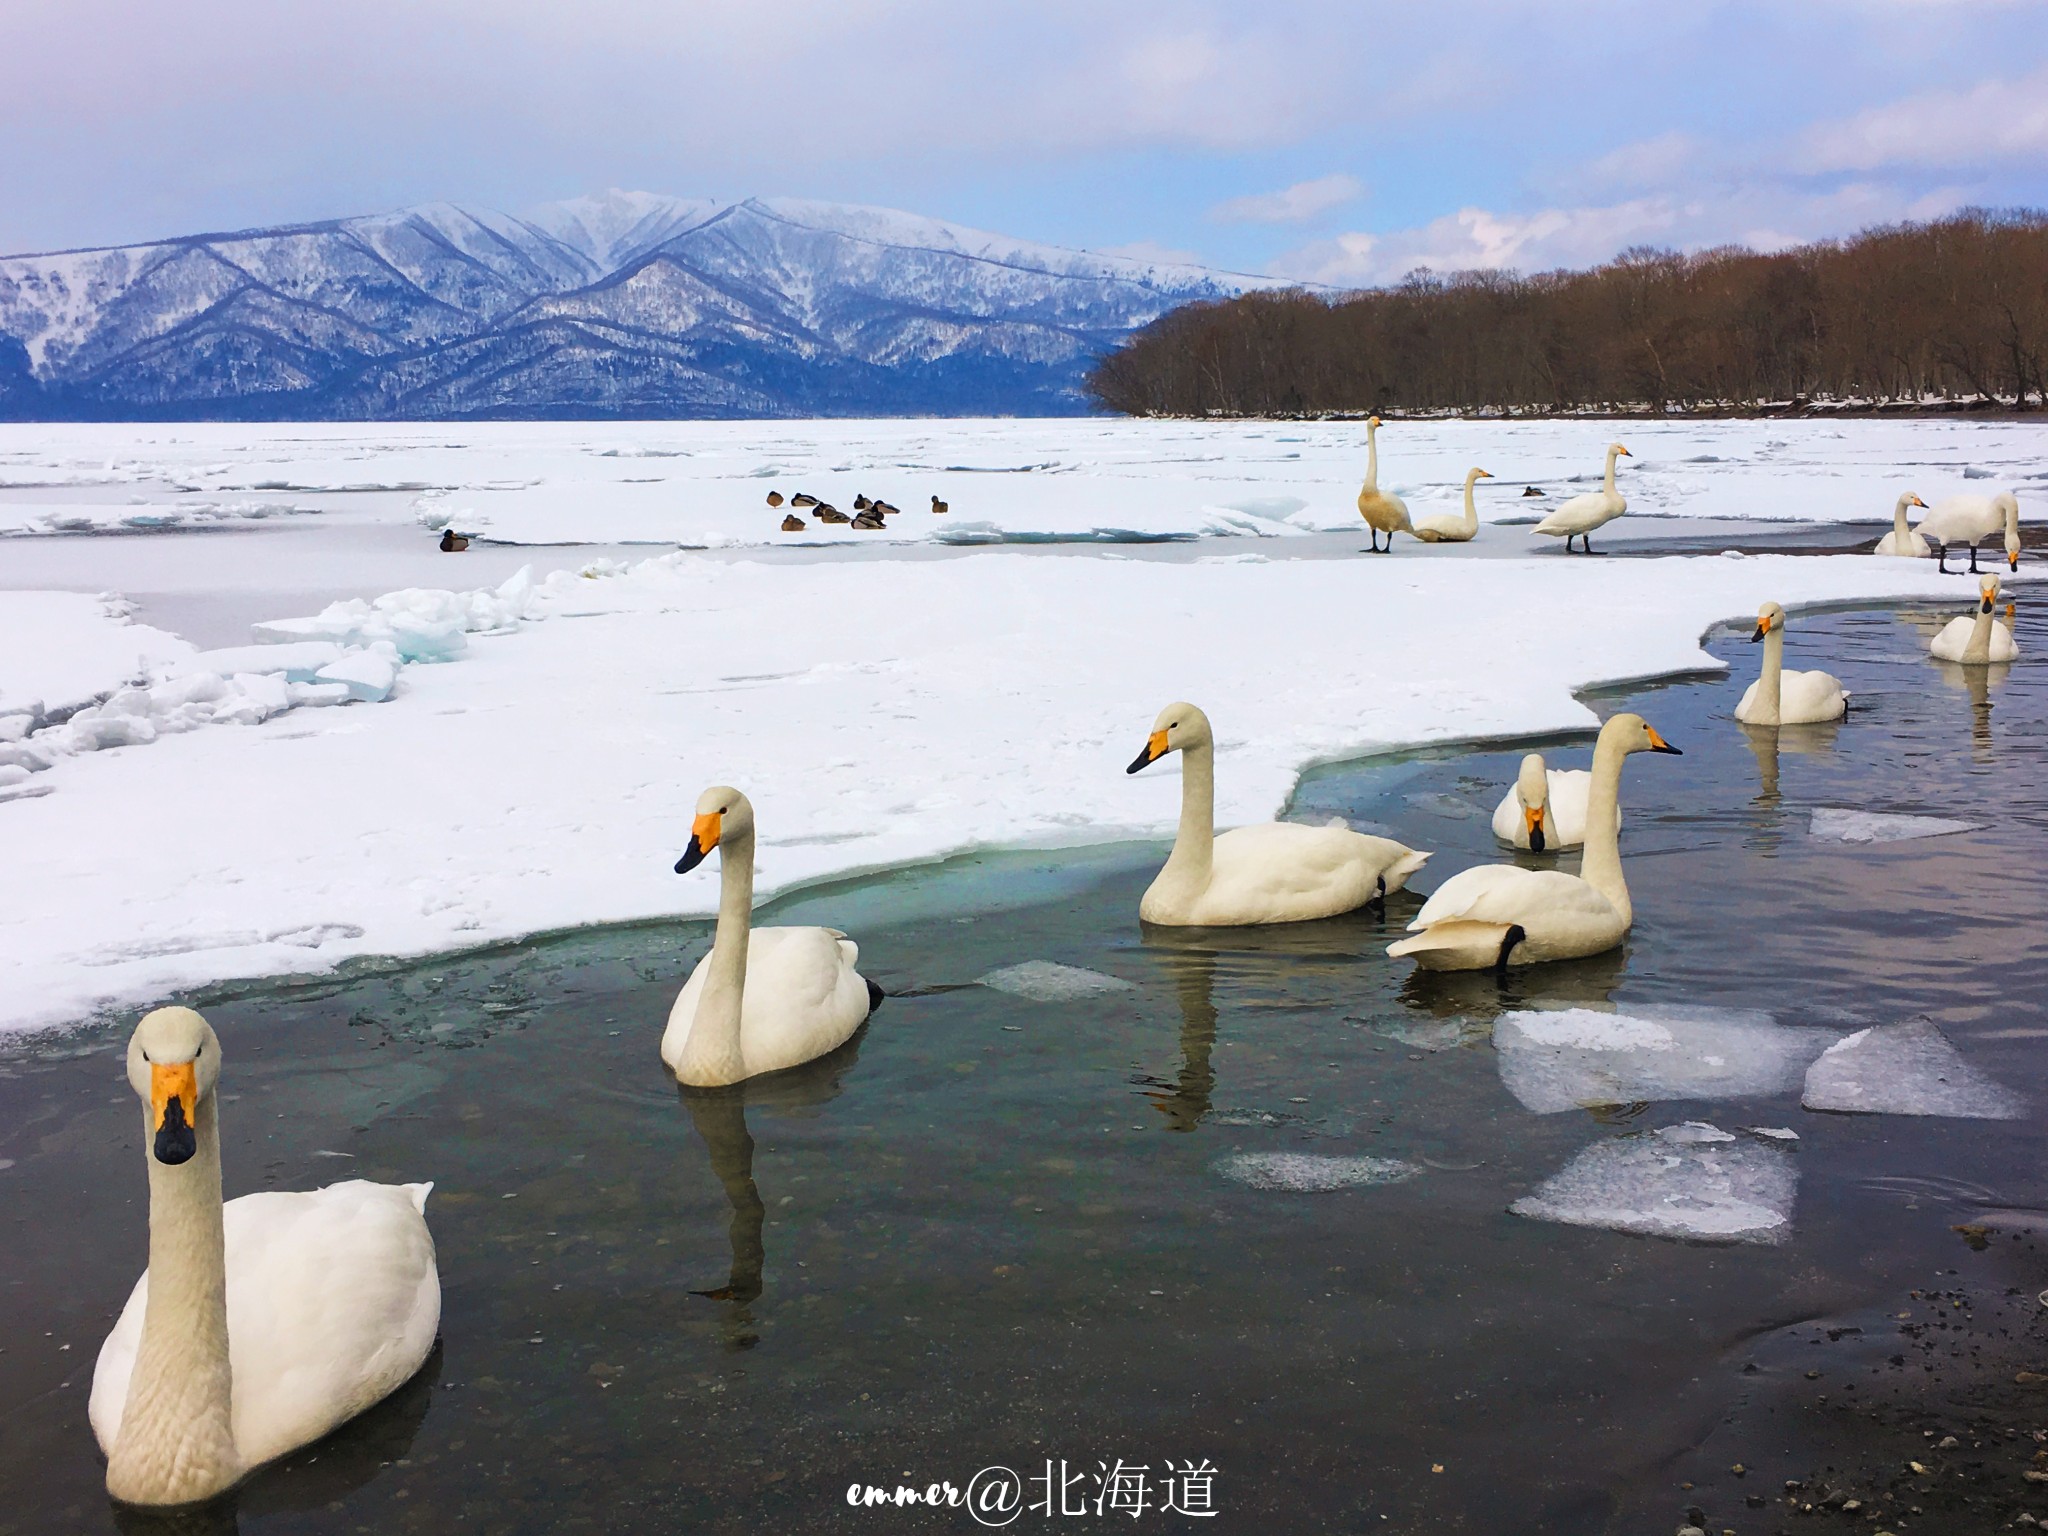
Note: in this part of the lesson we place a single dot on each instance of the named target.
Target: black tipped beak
(175, 1142)
(692, 857)
(1535, 839)
(1144, 759)
(1665, 746)
(1760, 633)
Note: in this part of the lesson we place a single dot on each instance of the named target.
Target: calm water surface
(993, 1230)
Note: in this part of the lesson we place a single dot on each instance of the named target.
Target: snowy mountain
(629, 305)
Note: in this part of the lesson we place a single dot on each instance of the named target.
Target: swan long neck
(1471, 524)
(712, 1053)
(1979, 648)
(1600, 866)
(1899, 529)
(1372, 457)
(1769, 684)
(1611, 457)
(1194, 846)
(176, 1443)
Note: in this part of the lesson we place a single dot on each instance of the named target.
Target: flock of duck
(265, 1322)
(867, 514)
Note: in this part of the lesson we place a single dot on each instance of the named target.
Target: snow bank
(1575, 1057)
(1688, 1181)
(1906, 1069)
(59, 650)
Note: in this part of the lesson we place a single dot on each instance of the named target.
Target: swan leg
(1973, 558)
(1379, 898)
(1515, 934)
(1942, 550)
(1586, 542)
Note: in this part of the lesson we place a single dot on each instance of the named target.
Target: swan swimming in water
(262, 1323)
(1979, 639)
(1779, 697)
(1276, 872)
(1545, 809)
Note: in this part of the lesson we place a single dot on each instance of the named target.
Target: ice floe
(1834, 824)
(1571, 1058)
(1680, 1182)
(1905, 1069)
(1308, 1172)
(1046, 981)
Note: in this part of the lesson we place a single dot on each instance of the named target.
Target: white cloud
(1290, 205)
(1993, 121)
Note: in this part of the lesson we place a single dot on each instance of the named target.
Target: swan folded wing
(1507, 894)
(1953, 640)
(1809, 696)
(1282, 871)
(803, 996)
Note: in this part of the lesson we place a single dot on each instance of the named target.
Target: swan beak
(1626, 454)
(2013, 559)
(703, 838)
(173, 1102)
(1155, 749)
(1762, 628)
(1659, 744)
(1486, 474)
(1534, 816)
(1917, 502)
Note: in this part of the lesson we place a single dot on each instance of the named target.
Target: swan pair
(1978, 639)
(1387, 513)
(1578, 517)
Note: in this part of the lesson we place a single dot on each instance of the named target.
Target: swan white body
(1779, 697)
(1383, 512)
(764, 999)
(1497, 915)
(1971, 520)
(1445, 529)
(1979, 639)
(1579, 516)
(1549, 801)
(1903, 540)
(262, 1324)
(1276, 873)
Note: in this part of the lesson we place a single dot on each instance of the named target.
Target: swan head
(1987, 593)
(2007, 506)
(1635, 734)
(722, 812)
(1768, 618)
(1911, 500)
(1615, 450)
(1475, 474)
(173, 1063)
(1532, 789)
(1178, 727)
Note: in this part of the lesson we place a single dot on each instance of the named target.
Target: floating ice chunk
(317, 693)
(1833, 824)
(1905, 1069)
(1695, 1132)
(1044, 981)
(368, 676)
(298, 660)
(1555, 1060)
(1304, 1171)
(1671, 1183)
(1436, 1035)
(1775, 1132)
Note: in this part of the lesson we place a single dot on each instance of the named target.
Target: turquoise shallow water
(995, 1230)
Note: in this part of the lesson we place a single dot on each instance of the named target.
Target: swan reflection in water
(720, 1118)
(1768, 741)
(1186, 1100)
(1979, 683)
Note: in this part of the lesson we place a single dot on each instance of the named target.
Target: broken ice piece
(1695, 1133)
(1667, 1185)
(1435, 1035)
(1557, 1059)
(1044, 981)
(1775, 1132)
(1833, 824)
(1905, 1069)
(1305, 1172)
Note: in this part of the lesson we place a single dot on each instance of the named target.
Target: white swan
(1971, 520)
(1545, 810)
(764, 998)
(1442, 528)
(1578, 517)
(1383, 511)
(1903, 540)
(259, 1325)
(1497, 915)
(1979, 639)
(1279, 872)
(1779, 697)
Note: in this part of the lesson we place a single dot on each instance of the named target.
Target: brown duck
(794, 524)
(453, 543)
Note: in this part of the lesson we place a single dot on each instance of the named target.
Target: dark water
(992, 1231)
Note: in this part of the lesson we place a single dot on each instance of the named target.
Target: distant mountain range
(625, 305)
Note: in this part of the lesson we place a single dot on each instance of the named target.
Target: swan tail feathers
(1398, 872)
(417, 1193)
(1458, 944)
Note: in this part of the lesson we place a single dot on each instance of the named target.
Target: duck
(1545, 810)
(1493, 916)
(764, 999)
(870, 519)
(1978, 639)
(1578, 517)
(1903, 540)
(1277, 872)
(262, 1323)
(861, 503)
(803, 499)
(794, 524)
(775, 498)
(886, 508)
(1779, 697)
(1442, 528)
(825, 512)
(1971, 520)
(1383, 512)
(939, 508)
(453, 543)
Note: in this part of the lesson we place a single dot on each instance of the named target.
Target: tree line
(1910, 315)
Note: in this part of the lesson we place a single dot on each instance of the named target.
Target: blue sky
(1340, 142)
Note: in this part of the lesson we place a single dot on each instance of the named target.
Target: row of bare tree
(1912, 314)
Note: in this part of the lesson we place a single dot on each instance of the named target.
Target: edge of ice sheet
(1905, 1069)
(1691, 1181)
(879, 714)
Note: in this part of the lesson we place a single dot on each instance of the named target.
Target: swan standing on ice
(1278, 872)
(1903, 540)
(1779, 697)
(764, 998)
(1971, 520)
(1577, 518)
(1497, 915)
(260, 1324)
(1979, 639)
(1546, 809)
(1382, 511)
(1442, 528)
